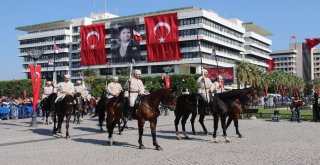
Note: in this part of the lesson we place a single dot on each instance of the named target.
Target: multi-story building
(199, 31)
(298, 60)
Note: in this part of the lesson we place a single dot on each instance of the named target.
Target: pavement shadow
(13, 124)
(86, 129)
(41, 131)
(103, 142)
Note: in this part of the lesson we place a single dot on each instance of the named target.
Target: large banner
(226, 73)
(35, 74)
(124, 47)
(93, 50)
(162, 37)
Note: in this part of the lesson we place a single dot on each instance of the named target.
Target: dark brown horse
(115, 108)
(148, 110)
(235, 101)
(63, 108)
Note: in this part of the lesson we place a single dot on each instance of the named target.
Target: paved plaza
(264, 142)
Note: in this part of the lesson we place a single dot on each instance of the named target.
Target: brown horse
(90, 105)
(235, 102)
(63, 108)
(148, 110)
(79, 108)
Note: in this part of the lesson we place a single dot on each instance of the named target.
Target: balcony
(45, 34)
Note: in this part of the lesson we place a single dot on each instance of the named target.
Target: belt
(134, 91)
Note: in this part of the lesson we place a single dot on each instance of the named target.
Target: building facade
(199, 32)
(298, 60)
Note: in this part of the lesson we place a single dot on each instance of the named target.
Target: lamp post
(35, 54)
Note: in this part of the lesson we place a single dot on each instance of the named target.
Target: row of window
(45, 48)
(247, 47)
(43, 40)
(44, 65)
(257, 42)
(47, 57)
(47, 30)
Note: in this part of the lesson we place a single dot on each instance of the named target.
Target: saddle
(138, 101)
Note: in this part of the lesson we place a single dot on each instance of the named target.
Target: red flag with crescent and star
(162, 37)
(312, 42)
(35, 74)
(93, 50)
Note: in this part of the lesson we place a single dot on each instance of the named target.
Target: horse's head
(249, 95)
(78, 94)
(169, 97)
(69, 100)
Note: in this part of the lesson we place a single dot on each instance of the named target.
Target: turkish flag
(270, 65)
(312, 42)
(167, 81)
(35, 75)
(93, 50)
(162, 37)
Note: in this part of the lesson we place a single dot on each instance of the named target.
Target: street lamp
(35, 54)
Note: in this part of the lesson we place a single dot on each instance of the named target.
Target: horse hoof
(215, 140)
(101, 130)
(68, 137)
(194, 133)
(110, 143)
(120, 133)
(142, 147)
(178, 137)
(206, 133)
(240, 136)
(228, 140)
(158, 148)
(187, 137)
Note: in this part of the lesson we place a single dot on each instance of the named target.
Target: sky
(283, 18)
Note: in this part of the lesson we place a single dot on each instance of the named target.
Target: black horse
(63, 108)
(186, 105)
(47, 106)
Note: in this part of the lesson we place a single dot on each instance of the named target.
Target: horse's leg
(54, 123)
(193, 118)
(183, 124)
(60, 120)
(125, 120)
(230, 118)
(102, 116)
(111, 126)
(215, 127)
(153, 126)
(201, 121)
(141, 125)
(68, 117)
(236, 125)
(119, 126)
(223, 125)
(74, 116)
(176, 124)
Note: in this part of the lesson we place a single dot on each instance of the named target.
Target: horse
(101, 109)
(47, 107)
(79, 108)
(186, 105)
(63, 108)
(236, 100)
(148, 110)
(90, 105)
(316, 108)
(115, 108)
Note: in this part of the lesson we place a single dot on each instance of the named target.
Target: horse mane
(234, 94)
